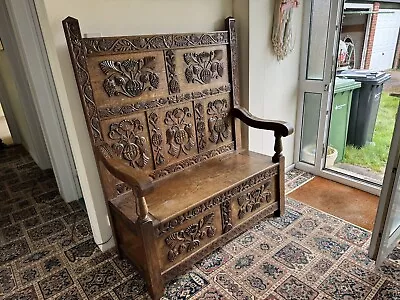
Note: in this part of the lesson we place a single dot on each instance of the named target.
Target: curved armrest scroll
(142, 184)
(281, 128)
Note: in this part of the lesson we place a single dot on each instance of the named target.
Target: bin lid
(344, 84)
(365, 76)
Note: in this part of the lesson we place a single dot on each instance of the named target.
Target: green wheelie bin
(341, 107)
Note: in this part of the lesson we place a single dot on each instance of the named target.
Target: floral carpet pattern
(47, 252)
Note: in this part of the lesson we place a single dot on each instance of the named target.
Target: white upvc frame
(382, 241)
(35, 69)
(325, 88)
(370, 8)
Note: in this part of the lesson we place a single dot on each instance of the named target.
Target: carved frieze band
(218, 122)
(78, 58)
(139, 43)
(129, 144)
(180, 135)
(224, 197)
(129, 77)
(170, 64)
(160, 102)
(188, 239)
(156, 139)
(200, 126)
(191, 161)
(226, 214)
(252, 201)
(203, 67)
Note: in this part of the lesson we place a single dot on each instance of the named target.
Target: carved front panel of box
(172, 133)
(184, 239)
(254, 200)
(125, 79)
(129, 138)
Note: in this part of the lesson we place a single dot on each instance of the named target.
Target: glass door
(386, 232)
(320, 32)
(321, 116)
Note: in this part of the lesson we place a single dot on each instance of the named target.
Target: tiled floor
(306, 254)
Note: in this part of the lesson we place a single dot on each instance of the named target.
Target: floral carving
(218, 123)
(156, 139)
(116, 110)
(173, 84)
(139, 43)
(189, 239)
(180, 133)
(204, 66)
(129, 77)
(200, 126)
(226, 213)
(252, 200)
(129, 145)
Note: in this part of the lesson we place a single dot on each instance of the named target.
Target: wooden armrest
(281, 128)
(142, 184)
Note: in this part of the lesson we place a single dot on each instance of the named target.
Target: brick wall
(374, 19)
(396, 64)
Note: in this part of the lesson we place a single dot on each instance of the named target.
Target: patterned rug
(304, 255)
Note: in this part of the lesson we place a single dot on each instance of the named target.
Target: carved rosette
(129, 144)
(200, 126)
(226, 214)
(156, 139)
(204, 67)
(129, 77)
(253, 200)
(170, 62)
(188, 239)
(180, 136)
(218, 123)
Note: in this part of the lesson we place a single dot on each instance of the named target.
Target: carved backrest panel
(161, 102)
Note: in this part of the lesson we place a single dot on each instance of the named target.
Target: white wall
(111, 17)
(273, 85)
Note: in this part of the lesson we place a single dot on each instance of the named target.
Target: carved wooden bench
(164, 118)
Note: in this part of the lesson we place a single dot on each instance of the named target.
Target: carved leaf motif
(203, 67)
(188, 239)
(252, 201)
(129, 144)
(108, 65)
(218, 123)
(180, 137)
(129, 77)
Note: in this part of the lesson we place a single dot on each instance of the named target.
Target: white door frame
(41, 91)
(324, 87)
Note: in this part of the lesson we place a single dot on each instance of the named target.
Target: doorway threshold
(347, 203)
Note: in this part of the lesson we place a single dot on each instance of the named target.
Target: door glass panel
(394, 222)
(318, 37)
(312, 104)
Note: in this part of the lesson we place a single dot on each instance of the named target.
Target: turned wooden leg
(153, 276)
(282, 196)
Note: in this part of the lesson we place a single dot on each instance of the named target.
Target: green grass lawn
(374, 156)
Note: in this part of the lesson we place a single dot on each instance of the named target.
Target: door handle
(326, 87)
